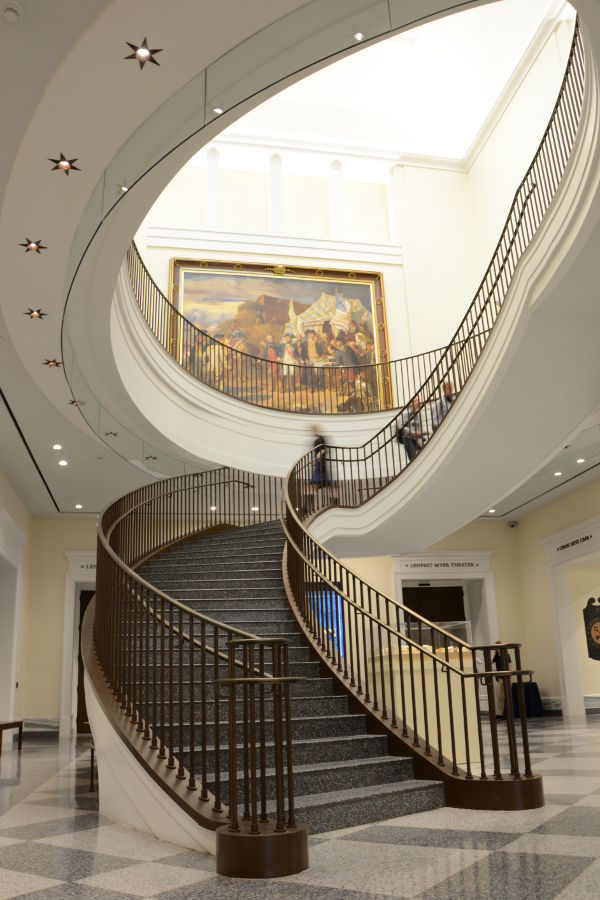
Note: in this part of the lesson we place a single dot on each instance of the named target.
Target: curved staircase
(302, 682)
(343, 774)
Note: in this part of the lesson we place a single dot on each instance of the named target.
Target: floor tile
(116, 840)
(189, 859)
(32, 813)
(576, 820)
(16, 884)
(431, 837)
(570, 784)
(584, 886)
(382, 868)
(57, 862)
(590, 800)
(6, 841)
(147, 879)
(511, 876)
(79, 821)
(479, 820)
(75, 891)
(583, 762)
(220, 888)
(562, 799)
(555, 844)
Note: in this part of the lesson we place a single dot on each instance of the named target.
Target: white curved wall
(536, 382)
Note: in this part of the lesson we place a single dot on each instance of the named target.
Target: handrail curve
(165, 663)
(397, 663)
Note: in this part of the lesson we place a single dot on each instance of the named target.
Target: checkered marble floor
(54, 844)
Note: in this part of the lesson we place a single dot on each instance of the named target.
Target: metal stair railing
(158, 658)
(418, 680)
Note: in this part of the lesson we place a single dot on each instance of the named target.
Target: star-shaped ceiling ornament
(52, 363)
(75, 403)
(64, 165)
(34, 313)
(142, 53)
(30, 245)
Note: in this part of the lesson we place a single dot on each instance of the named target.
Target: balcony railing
(287, 387)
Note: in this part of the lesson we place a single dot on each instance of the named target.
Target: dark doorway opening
(83, 726)
(438, 604)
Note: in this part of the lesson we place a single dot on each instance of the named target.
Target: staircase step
(310, 728)
(332, 776)
(337, 809)
(324, 750)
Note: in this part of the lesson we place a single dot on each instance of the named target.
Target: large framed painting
(296, 316)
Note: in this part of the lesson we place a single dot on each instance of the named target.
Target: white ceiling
(440, 81)
(66, 88)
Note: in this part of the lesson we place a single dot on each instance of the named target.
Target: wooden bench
(5, 726)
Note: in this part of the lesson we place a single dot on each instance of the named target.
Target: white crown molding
(201, 240)
(547, 27)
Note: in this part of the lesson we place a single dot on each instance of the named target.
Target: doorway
(82, 723)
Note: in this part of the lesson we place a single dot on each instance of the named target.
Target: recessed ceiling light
(255, 509)
(63, 462)
(75, 403)
(213, 508)
(52, 363)
(218, 110)
(491, 510)
(64, 165)
(556, 474)
(57, 446)
(34, 313)
(78, 506)
(581, 459)
(35, 246)
(142, 53)
(358, 36)
(124, 188)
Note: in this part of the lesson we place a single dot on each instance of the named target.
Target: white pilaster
(212, 206)
(275, 194)
(337, 212)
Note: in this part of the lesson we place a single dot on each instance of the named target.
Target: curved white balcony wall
(200, 424)
(536, 382)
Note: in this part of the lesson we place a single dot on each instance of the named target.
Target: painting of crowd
(311, 349)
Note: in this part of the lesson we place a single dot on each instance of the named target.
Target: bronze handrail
(358, 630)
(271, 384)
(164, 662)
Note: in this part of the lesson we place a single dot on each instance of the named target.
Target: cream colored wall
(49, 540)
(533, 577)
(521, 585)
(375, 570)
(442, 255)
(11, 504)
(585, 583)
(244, 201)
(510, 148)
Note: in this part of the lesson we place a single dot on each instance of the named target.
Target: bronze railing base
(507, 793)
(270, 854)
